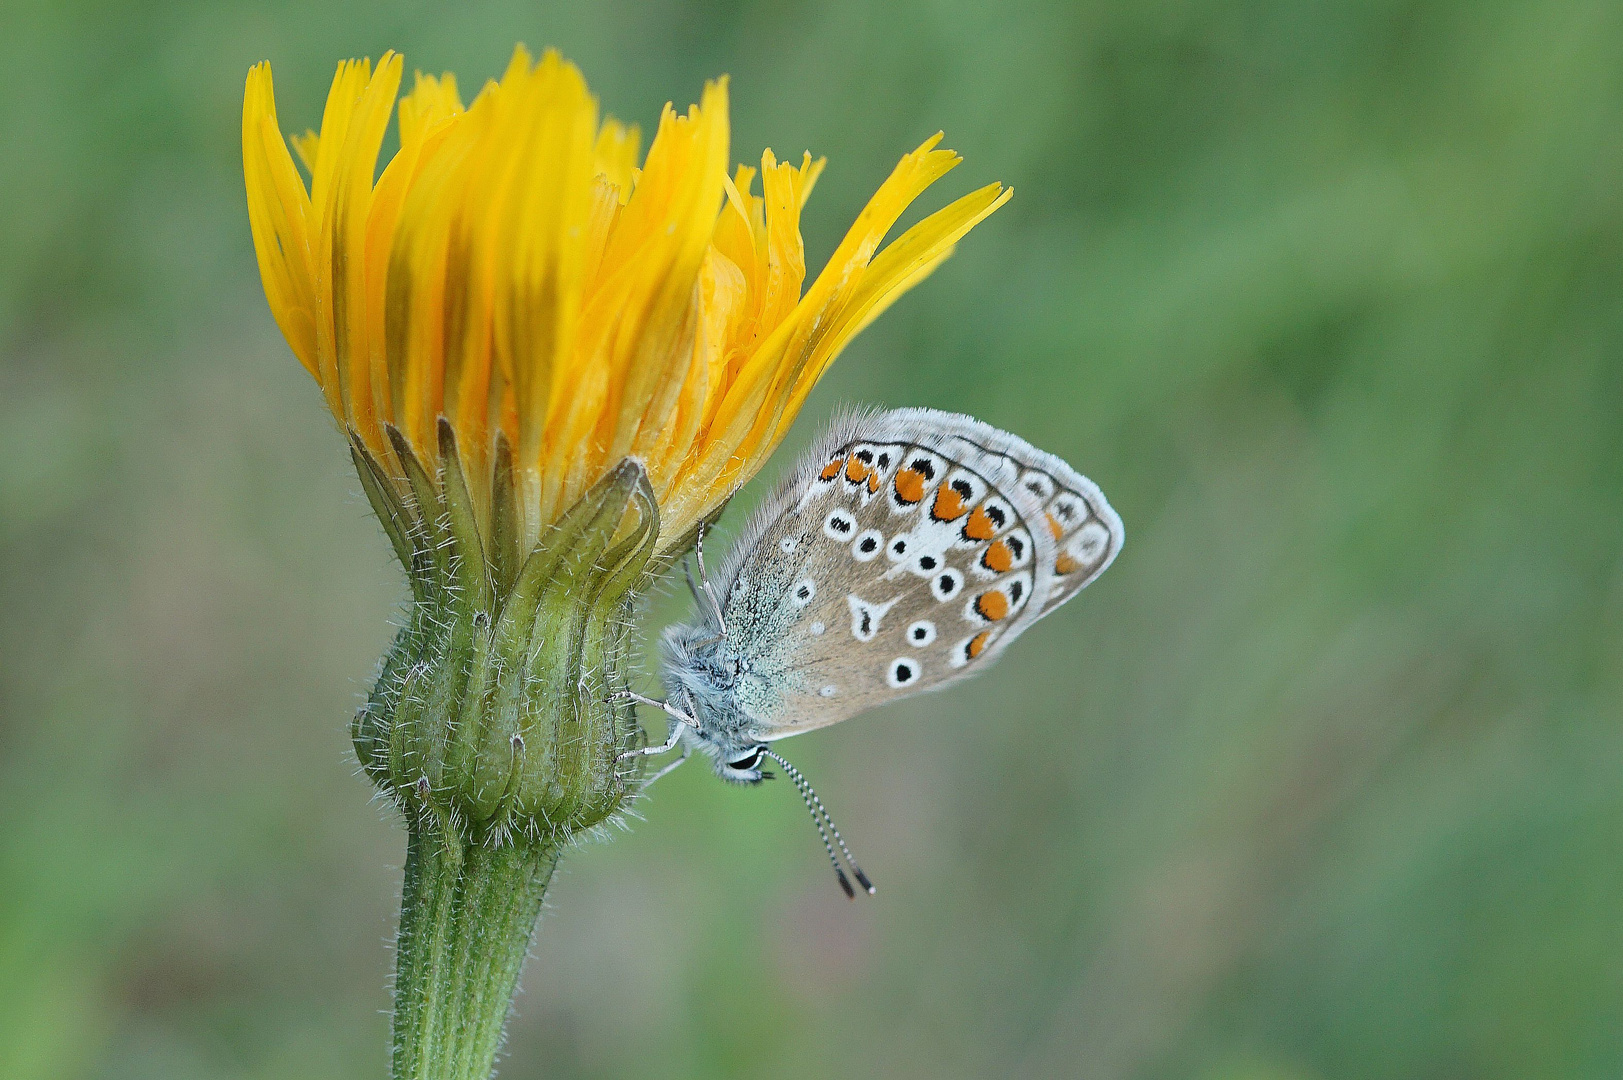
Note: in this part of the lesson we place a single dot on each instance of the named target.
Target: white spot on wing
(839, 526)
(1068, 510)
(1090, 543)
(959, 656)
(977, 487)
(1019, 542)
(865, 616)
(1037, 484)
(926, 564)
(947, 584)
(921, 633)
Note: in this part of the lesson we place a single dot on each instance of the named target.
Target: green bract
(494, 716)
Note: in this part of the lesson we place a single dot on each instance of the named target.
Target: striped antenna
(820, 816)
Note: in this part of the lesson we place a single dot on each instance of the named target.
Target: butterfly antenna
(833, 860)
(704, 580)
(819, 815)
(687, 573)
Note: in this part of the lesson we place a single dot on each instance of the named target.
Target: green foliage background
(1324, 779)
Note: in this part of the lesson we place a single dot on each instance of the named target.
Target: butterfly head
(702, 674)
(745, 768)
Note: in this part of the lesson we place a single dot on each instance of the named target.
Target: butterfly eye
(748, 762)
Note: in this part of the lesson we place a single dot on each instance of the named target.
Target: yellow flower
(514, 270)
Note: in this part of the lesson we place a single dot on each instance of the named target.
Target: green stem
(467, 913)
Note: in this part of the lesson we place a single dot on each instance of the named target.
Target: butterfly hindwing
(1058, 503)
(906, 551)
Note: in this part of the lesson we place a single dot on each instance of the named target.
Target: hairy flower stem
(466, 917)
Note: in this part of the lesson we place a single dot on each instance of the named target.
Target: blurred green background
(1324, 779)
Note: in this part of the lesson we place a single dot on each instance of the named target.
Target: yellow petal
(907, 261)
(541, 165)
(343, 245)
(780, 358)
(432, 101)
(515, 268)
(277, 211)
(616, 154)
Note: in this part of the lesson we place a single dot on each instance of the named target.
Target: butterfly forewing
(906, 551)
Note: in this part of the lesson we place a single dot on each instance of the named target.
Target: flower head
(518, 270)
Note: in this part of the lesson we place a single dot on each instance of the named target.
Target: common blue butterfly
(905, 551)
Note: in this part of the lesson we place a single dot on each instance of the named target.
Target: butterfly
(906, 550)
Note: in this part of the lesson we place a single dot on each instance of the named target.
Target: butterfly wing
(906, 550)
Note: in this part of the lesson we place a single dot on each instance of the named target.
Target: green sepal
(385, 504)
(578, 539)
(430, 539)
(469, 569)
(549, 620)
(503, 552)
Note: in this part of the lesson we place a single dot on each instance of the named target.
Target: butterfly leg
(648, 783)
(678, 718)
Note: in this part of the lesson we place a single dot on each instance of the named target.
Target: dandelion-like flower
(518, 271)
(553, 359)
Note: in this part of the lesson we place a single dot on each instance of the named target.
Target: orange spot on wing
(1054, 526)
(910, 485)
(949, 505)
(873, 481)
(979, 526)
(999, 558)
(1066, 565)
(855, 470)
(832, 469)
(992, 605)
(977, 644)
